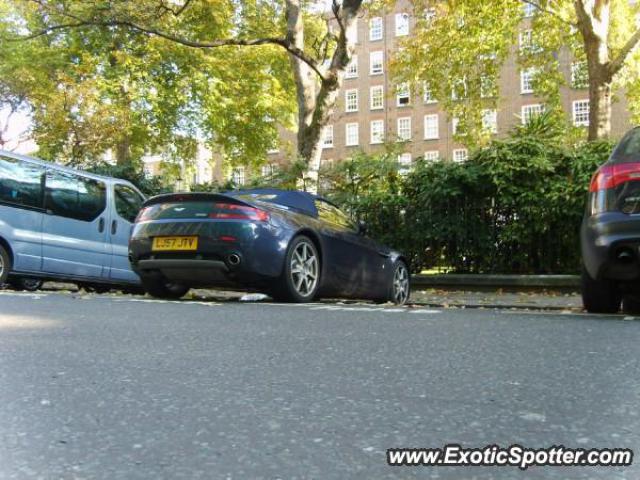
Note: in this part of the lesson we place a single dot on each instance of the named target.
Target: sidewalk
(547, 300)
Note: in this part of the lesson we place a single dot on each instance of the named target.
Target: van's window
(73, 196)
(128, 202)
(20, 182)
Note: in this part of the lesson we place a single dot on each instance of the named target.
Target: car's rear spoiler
(194, 197)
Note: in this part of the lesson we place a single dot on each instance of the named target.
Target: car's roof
(303, 201)
(59, 167)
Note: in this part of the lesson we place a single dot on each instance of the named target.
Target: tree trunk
(316, 97)
(599, 108)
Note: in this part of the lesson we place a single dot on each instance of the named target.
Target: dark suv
(610, 234)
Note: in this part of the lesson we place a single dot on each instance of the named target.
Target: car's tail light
(615, 187)
(238, 212)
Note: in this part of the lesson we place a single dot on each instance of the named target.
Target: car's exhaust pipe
(625, 255)
(233, 260)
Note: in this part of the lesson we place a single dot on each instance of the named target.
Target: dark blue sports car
(295, 246)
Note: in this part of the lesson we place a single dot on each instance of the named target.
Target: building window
(579, 75)
(402, 24)
(459, 89)
(404, 129)
(455, 126)
(268, 170)
(490, 121)
(581, 113)
(431, 127)
(526, 80)
(237, 176)
(351, 100)
(528, 9)
(429, 16)
(427, 94)
(403, 95)
(432, 155)
(376, 62)
(460, 155)
(377, 97)
(327, 137)
(488, 87)
(351, 134)
(377, 131)
(527, 43)
(352, 68)
(531, 111)
(404, 163)
(375, 29)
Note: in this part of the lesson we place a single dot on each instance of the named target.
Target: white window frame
(427, 94)
(352, 68)
(455, 123)
(376, 131)
(432, 155)
(376, 92)
(404, 129)
(403, 91)
(454, 93)
(526, 80)
(528, 10)
(268, 170)
(351, 134)
(376, 62)
(376, 29)
(527, 112)
(431, 128)
(460, 155)
(327, 136)
(526, 42)
(490, 120)
(579, 69)
(405, 163)
(580, 114)
(238, 175)
(351, 100)
(402, 24)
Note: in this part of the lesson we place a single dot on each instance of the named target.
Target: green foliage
(514, 207)
(134, 174)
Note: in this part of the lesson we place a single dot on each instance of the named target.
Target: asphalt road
(113, 388)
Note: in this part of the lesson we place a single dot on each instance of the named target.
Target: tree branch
(282, 42)
(617, 63)
(549, 12)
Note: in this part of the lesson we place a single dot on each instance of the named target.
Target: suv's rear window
(628, 150)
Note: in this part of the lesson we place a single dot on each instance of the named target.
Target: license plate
(175, 243)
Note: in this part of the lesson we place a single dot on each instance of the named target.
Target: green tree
(459, 47)
(205, 78)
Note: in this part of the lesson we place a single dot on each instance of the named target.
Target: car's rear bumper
(610, 245)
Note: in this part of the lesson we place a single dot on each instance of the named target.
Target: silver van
(58, 223)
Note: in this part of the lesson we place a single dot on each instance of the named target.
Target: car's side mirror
(362, 227)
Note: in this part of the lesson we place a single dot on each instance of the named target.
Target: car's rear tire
(301, 273)
(599, 296)
(399, 290)
(5, 265)
(159, 287)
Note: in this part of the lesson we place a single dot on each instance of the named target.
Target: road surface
(122, 387)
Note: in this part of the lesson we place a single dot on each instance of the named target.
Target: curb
(460, 281)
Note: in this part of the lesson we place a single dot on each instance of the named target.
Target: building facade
(371, 109)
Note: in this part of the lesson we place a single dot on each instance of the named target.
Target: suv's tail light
(240, 212)
(615, 187)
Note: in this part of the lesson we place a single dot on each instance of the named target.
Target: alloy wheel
(304, 269)
(401, 284)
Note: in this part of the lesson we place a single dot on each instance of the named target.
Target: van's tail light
(615, 187)
(239, 212)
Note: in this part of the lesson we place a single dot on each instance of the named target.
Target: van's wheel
(400, 288)
(301, 274)
(5, 265)
(599, 296)
(28, 284)
(159, 287)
